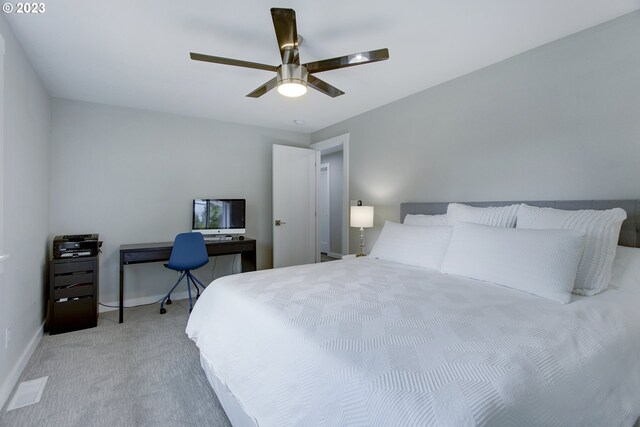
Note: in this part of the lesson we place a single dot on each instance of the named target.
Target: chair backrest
(189, 252)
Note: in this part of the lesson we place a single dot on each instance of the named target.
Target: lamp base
(360, 254)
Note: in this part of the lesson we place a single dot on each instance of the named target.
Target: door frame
(326, 166)
(325, 147)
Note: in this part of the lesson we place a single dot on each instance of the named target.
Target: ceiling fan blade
(264, 88)
(324, 87)
(348, 61)
(229, 61)
(284, 22)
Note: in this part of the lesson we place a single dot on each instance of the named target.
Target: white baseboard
(129, 302)
(14, 375)
(334, 255)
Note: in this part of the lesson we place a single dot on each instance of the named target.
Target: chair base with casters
(191, 279)
(189, 252)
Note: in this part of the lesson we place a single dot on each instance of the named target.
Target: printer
(77, 245)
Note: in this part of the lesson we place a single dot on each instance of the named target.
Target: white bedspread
(371, 343)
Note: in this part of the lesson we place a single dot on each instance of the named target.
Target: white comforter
(372, 343)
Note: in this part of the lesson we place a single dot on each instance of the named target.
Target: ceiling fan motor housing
(292, 73)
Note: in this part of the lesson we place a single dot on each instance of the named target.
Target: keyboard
(218, 238)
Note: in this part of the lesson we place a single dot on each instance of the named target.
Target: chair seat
(185, 266)
(189, 252)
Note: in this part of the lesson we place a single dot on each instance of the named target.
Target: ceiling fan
(292, 78)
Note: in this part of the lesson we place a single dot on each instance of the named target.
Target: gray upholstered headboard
(629, 234)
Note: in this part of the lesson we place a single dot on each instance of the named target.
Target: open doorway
(333, 197)
(324, 208)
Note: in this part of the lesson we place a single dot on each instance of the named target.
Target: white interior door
(324, 214)
(4, 320)
(295, 233)
(3, 256)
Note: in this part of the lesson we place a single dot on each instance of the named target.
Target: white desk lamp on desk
(361, 216)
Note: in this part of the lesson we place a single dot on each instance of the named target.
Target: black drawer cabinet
(73, 294)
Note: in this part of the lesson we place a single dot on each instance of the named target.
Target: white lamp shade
(362, 216)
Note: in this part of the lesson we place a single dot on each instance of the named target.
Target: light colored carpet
(144, 372)
(324, 258)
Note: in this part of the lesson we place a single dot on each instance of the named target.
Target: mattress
(365, 342)
(232, 407)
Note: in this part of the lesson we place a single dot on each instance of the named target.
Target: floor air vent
(28, 393)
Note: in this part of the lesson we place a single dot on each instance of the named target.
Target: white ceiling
(136, 53)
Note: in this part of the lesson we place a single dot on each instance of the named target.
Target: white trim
(329, 144)
(14, 374)
(3, 257)
(345, 194)
(327, 167)
(317, 203)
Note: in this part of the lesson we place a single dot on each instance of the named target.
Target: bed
(365, 342)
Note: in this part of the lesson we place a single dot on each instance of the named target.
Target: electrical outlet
(7, 337)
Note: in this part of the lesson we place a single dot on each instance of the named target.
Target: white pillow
(625, 271)
(540, 262)
(420, 246)
(602, 230)
(495, 216)
(419, 219)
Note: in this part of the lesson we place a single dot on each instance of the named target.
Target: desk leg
(121, 308)
(248, 260)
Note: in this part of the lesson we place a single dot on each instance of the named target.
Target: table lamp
(361, 216)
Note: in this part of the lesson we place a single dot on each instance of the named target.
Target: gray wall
(335, 199)
(130, 175)
(25, 168)
(558, 122)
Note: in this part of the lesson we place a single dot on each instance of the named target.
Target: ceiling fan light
(292, 80)
(358, 58)
(292, 89)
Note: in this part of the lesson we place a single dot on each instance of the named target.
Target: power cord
(213, 270)
(233, 266)
(131, 306)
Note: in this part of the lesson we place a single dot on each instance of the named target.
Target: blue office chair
(189, 252)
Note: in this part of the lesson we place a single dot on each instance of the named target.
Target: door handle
(279, 222)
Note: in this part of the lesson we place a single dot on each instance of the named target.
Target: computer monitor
(219, 216)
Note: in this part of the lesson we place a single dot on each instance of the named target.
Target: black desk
(156, 252)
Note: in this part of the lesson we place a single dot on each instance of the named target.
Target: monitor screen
(219, 216)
